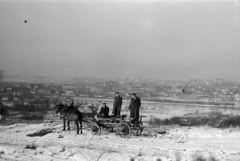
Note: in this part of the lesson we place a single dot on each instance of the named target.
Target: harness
(65, 111)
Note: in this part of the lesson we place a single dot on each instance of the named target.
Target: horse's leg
(80, 121)
(68, 124)
(64, 120)
(76, 123)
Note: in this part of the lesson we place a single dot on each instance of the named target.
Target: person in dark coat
(117, 105)
(104, 112)
(134, 107)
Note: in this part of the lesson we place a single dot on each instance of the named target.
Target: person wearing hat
(104, 112)
(134, 107)
(117, 105)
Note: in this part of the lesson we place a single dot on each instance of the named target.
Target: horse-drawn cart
(124, 127)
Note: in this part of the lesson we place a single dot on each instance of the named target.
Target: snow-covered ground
(180, 143)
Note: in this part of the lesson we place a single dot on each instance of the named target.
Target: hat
(117, 92)
(134, 94)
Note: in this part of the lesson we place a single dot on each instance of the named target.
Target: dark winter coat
(104, 112)
(134, 108)
(117, 106)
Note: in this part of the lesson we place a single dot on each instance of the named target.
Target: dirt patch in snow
(40, 133)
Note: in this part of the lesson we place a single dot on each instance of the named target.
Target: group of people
(117, 105)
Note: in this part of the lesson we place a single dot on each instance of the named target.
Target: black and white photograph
(119, 80)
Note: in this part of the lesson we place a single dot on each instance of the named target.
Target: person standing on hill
(134, 107)
(117, 105)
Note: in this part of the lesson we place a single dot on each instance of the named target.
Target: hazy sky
(110, 39)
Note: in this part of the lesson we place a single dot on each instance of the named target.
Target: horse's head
(59, 108)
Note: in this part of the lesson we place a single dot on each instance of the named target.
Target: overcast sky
(110, 39)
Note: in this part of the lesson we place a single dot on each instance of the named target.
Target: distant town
(41, 91)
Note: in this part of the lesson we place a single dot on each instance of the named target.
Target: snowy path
(180, 142)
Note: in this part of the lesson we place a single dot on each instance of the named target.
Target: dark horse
(70, 113)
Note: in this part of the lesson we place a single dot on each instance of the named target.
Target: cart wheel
(96, 130)
(139, 131)
(124, 130)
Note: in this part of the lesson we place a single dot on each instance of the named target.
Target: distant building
(66, 87)
(219, 80)
(237, 100)
(95, 89)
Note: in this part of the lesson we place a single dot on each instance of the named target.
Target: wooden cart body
(123, 126)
